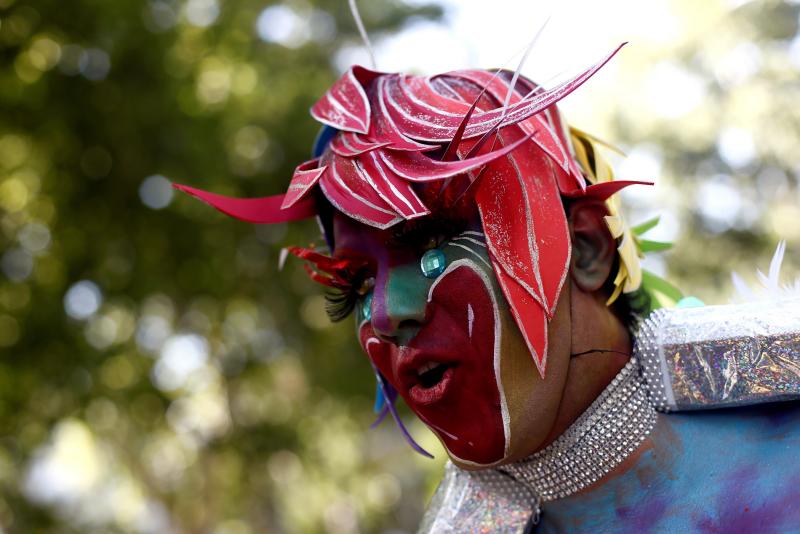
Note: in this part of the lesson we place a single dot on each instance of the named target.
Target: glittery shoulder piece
(720, 356)
(477, 501)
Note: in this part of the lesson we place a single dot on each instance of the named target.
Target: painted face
(438, 329)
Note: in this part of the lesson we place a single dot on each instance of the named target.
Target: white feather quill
(769, 285)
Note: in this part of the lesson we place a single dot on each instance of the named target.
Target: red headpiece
(407, 145)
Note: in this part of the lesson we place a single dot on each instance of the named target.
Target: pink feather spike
(344, 106)
(394, 190)
(452, 147)
(305, 177)
(264, 210)
(349, 144)
(350, 194)
(451, 152)
(383, 127)
(548, 138)
(424, 124)
(528, 108)
(417, 167)
(495, 85)
(418, 91)
(416, 120)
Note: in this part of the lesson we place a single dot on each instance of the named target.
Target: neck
(603, 438)
(602, 346)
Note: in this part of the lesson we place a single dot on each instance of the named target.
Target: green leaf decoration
(645, 245)
(646, 226)
(655, 284)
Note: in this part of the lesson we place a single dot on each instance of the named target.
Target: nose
(399, 301)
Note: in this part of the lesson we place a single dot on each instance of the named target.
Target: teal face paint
(437, 329)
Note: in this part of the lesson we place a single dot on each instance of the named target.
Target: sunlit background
(159, 374)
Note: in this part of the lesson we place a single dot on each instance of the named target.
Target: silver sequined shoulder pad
(477, 501)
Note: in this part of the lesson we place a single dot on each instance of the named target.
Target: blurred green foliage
(165, 392)
(707, 107)
(159, 374)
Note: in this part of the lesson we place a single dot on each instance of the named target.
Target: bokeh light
(159, 373)
(82, 300)
(156, 192)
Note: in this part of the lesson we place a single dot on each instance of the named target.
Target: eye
(340, 303)
(366, 307)
(426, 233)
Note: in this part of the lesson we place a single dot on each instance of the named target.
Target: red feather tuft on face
(333, 272)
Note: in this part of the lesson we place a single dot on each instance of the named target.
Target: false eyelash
(340, 303)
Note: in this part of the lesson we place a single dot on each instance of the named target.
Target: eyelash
(340, 302)
(432, 232)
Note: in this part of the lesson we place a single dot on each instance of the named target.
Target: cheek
(379, 352)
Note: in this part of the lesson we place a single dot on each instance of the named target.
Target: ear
(593, 248)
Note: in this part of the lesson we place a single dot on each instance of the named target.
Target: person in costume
(496, 289)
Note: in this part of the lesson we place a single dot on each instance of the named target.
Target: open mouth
(432, 381)
(431, 374)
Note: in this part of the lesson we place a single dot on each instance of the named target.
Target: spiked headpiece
(397, 147)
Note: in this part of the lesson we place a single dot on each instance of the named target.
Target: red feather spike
(346, 189)
(605, 190)
(327, 270)
(551, 139)
(383, 128)
(417, 167)
(344, 106)
(430, 125)
(395, 191)
(349, 144)
(264, 210)
(451, 153)
(305, 177)
(522, 215)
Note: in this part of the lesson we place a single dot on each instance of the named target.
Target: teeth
(427, 367)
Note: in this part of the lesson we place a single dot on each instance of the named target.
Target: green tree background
(159, 373)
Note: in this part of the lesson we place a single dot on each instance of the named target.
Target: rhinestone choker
(615, 424)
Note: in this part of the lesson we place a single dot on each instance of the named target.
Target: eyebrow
(414, 231)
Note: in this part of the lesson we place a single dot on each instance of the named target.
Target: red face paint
(446, 374)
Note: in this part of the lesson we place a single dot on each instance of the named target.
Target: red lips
(428, 395)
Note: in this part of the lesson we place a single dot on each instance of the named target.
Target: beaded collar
(615, 424)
